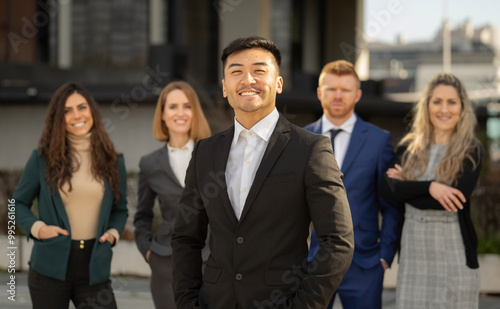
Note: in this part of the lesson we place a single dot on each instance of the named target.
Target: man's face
(338, 95)
(251, 82)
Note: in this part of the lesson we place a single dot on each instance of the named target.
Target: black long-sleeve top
(416, 193)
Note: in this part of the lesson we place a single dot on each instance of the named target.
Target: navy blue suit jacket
(367, 158)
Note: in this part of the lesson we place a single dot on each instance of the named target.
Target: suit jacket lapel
(165, 165)
(357, 140)
(107, 202)
(277, 142)
(61, 211)
(224, 143)
(317, 126)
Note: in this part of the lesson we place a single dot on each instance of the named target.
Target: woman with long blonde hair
(435, 170)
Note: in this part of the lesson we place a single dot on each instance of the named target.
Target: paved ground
(133, 293)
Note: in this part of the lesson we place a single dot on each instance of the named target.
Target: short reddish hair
(339, 67)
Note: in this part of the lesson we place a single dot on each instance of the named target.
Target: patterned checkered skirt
(432, 271)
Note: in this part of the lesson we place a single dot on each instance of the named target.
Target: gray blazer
(156, 179)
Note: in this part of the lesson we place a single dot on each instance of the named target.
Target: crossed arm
(430, 194)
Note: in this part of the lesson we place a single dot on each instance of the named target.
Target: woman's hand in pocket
(107, 237)
(51, 231)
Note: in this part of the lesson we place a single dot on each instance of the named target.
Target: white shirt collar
(347, 126)
(264, 128)
(189, 146)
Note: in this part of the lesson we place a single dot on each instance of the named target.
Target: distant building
(475, 60)
(403, 71)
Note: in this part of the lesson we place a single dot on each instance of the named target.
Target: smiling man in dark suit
(258, 185)
(363, 153)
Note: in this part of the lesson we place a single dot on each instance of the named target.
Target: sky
(420, 20)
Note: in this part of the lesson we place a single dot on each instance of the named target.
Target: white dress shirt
(247, 150)
(179, 159)
(343, 137)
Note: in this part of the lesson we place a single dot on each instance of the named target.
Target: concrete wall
(129, 128)
(240, 19)
(476, 77)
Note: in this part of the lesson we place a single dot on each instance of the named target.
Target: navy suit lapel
(277, 142)
(317, 126)
(165, 165)
(358, 138)
(224, 144)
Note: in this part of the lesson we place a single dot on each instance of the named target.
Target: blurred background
(125, 51)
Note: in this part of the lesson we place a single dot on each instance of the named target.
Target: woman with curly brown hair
(80, 184)
(435, 170)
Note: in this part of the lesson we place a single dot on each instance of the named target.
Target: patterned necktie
(333, 133)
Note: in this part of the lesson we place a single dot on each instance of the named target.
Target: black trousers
(50, 293)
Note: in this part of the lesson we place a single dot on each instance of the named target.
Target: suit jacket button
(239, 240)
(238, 276)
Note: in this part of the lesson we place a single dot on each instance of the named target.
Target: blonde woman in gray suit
(179, 121)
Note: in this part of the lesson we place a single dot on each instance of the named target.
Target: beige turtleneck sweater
(83, 202)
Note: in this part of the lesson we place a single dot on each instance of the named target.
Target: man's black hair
(248, 43)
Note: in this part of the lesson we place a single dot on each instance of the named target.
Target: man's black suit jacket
(260, 261)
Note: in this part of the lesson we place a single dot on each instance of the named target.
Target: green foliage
(485, 208)
(489, 244)
(8, 182)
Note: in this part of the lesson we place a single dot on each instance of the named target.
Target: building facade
(125, 51)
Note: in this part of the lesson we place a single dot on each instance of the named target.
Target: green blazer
(49, 257)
